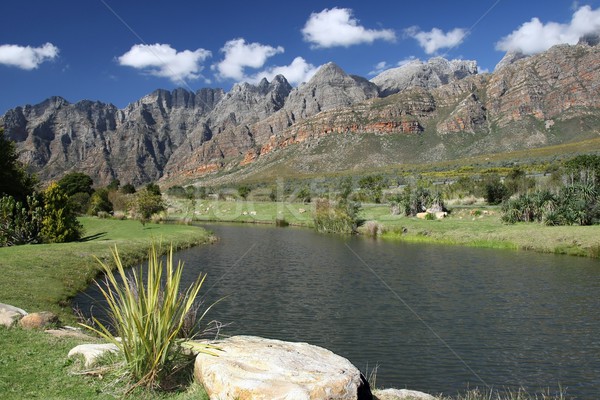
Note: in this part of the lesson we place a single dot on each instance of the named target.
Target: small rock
(401, 394)
(91, 352)
(68, 331)
(9, 315)
(38, 320)
(248, 367)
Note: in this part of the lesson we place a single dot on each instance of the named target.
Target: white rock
(91, 352)
(250, 367)
(401, 394)
(10, 315)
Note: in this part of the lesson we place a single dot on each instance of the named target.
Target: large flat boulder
(401, 394)
(248, 367)
(10, 315)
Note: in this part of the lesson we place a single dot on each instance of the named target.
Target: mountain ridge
(180, 134)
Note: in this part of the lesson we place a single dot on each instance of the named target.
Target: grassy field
(44, 276)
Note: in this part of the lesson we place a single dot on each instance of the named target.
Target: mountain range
(417, 113)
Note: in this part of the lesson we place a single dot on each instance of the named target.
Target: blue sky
(117, 51)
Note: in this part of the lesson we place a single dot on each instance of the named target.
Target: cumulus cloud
(534, 36)
(240, 55)
(297, 72)
(337, 27)
(164, 61)
(436, 39)
(27, 57)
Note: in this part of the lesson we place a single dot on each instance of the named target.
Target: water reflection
(514, 318)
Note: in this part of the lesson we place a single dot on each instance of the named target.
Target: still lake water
(432, 318)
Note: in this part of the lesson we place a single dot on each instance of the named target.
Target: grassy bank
(467, 226)
(482, 227)
(44, 276)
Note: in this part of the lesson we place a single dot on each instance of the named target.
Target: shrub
(495, 192)
(20, 224)
(59, 224)
(374, 228)
(281, 222)
(100, 202)
(147, 314)
(340, 217)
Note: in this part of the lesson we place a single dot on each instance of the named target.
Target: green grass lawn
(43, 277)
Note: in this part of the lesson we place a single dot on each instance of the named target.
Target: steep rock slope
(429, 75)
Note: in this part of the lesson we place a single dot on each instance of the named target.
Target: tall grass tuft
(148, 313)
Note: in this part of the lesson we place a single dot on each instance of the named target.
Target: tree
(495, 192)
(243, 191)
(14, 180)
(59, 224)
(371, 188)
(114, 185)
(128, 188)
(100, 202)
(153, 188)
(76, 182)
(148, 203)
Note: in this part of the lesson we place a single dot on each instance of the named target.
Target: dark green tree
(14, 180)
(76, 182)
(243, 191)
(128, 188)
(153, 188)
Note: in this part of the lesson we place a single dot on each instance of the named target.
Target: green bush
(20, 224)
(340, 217)
(100, 202)
(148, 313)
(60, 223)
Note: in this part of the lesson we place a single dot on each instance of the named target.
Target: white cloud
(379, 68)
(337, 27)
(407, 60)
(297, 72)
(534, 36)
(27, 57)
(164, 61)
(239, 55)
(436, 39)
(383, 66)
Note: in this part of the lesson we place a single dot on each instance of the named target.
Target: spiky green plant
(147, 315)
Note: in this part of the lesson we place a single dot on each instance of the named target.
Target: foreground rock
(250, 367)
(401, 394)
(10, 315)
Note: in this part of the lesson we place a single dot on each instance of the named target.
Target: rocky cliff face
(429, 75)
(185, 135)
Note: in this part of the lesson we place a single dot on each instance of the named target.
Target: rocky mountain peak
(431, 74)
(509, 58)
(330, 87)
